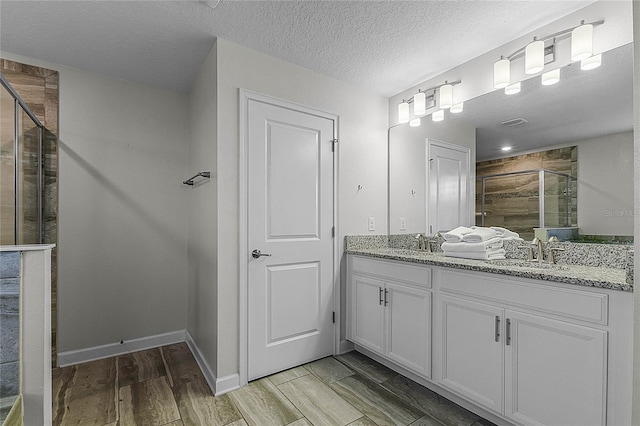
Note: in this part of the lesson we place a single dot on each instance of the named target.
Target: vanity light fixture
(446, 96)
(591, 62)
(457, 108)
(403, 112)
(513, 89)
(542, 51)
(419, 103)
(438, 115)
(534, 57)
(501, 73)
(582, 42)
(425, 99)
(415, 122)
(551, 77)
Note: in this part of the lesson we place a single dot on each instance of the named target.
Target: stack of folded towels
(477, 242)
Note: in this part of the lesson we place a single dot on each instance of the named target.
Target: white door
(555, 372)
(473, 351)
(449, 186)
(290, 221)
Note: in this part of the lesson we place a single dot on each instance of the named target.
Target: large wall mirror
(581, 128)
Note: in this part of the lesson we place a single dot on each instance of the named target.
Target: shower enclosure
(528, 199)
(26, 150)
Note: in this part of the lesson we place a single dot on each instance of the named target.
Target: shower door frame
(19, 105)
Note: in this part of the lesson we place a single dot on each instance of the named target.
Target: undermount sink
(518, 263)
(407, 252)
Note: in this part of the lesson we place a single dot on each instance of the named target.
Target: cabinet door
(555, 372)
(408, 322)
(473, 351)
(367, 312)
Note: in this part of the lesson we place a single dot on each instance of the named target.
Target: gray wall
(605, 185)
(122, 227)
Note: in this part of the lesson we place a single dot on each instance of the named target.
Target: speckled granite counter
(610, 278)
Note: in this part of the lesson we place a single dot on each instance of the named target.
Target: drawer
(577, 304)
(389, 270)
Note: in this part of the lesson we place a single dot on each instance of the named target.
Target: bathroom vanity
(516, 342)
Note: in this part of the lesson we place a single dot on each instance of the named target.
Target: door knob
(256, 254)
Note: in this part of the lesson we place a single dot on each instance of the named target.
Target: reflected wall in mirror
(591, 110)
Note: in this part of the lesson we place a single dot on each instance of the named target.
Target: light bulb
(438, 115)
(457, 108)
(415, 122)
(403, 112)
(419, 103)
(591, 62)
(551, 77)
(501, 73)
(506, 148)
(534, 57)
(446, 96)
(513, 89)
(582, 42)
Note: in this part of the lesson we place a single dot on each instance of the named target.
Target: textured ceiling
(381, 46)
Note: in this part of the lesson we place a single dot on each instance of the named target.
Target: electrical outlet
(403, 223)
(372, 223)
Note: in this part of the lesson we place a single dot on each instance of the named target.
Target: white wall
(362, 152)
(203, 211)
(605, 185)
(408, 165)
(122, 231)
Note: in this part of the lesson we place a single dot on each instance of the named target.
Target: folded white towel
(455, 235)
(482, 255)
(492, 244)
(512, 239)
(479, 235)
(505, 233)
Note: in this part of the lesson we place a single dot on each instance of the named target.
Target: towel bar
(203, 174)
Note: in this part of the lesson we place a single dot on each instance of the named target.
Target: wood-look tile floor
(164, 386)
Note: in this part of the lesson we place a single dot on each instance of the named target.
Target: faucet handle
(552, 254)
(529, 253)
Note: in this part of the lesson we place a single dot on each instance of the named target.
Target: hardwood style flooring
(164, 386)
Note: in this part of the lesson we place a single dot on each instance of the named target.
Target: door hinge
(334, 317)
(334, 142)
(333, 232)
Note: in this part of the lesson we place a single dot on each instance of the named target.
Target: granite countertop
(590, 276)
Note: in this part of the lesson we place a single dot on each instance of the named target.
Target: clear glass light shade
(438, 115)
(415, 122)
(446, 96)
(457, 108)
(534, 57)
(551, 77)
(501, 73)
(403, 112)
(582, 42)
(419, 103)
(513, 89)
(591, 62)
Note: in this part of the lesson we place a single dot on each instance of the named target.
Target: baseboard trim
(345, 346)
(204, 366)
(114, 349)
(227, 384)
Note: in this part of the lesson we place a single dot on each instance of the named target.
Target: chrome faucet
(423, 243)
(541, 247)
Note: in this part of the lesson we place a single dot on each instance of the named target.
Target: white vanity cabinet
(546, 371)
(389, 311)
(532, 353)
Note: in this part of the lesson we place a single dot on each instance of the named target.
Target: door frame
(245, 97)
(471, 188)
